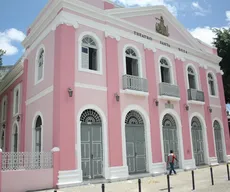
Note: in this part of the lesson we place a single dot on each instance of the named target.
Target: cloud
(228, 15)
(172, 8)
(8, 37)
(199, 11)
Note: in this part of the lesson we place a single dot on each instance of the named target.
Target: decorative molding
(189, 164)
(40, 95)
(133, 92)
(164, 97)
(215, 106)
(228, 158)
(69, 178)
(180, 58)
(115, 173)
(213, 161)
(195, 102)
(112, 35)
(88, 86)
(158, 168)
(150, 47)
(55, 149)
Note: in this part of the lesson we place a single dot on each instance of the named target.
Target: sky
(198, 17)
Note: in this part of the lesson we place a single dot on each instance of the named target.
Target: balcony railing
(169, 90)
(135, 83)
(195, 95)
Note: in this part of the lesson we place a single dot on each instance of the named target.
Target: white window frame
(3, 130)
(136, 50)
(2, 108)
(12, 136)
(17, 88)
(172, 78)
(214, 83)
(33, 130)
(36, 80)
(99, 53)
(197, 77)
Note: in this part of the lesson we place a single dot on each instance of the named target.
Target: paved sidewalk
(179, 183)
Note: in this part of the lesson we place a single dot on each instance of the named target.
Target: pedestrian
(171, 161)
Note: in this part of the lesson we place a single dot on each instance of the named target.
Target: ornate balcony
(166, 89)
(195, 95)
(135, 83)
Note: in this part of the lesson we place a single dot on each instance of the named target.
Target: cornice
(150, 47)
(180, 58)
(112, 35)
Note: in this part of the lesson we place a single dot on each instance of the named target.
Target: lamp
(186, 107)
(18, 118)
(210, 109)
(70, 91)
(4, 125)
(117, 97)
(156, 102)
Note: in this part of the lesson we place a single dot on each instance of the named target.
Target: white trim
(4, 99)
(165, 97)
(176, 117)
(133, 92)
(17, 88)
(148, 145)
(112, 35)
(69, 178)
(137, 51)
(196, 74)
(40, 95)
(215, 106)
(222, 137)
(171, 69)
(88, 86)
(205, 138)
(195, 102)
(105, 138)
(36, 80)
(99, 53)
(215, 84)
(38, 113)
(12, 136)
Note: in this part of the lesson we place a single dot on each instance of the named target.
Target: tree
(222, 42)
(2, 52)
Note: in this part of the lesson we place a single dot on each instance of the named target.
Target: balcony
(195, 95)
(135, 83)
(170, 90)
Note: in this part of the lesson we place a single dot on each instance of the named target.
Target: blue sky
(197, 16)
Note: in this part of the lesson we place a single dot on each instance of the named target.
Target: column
(208, 119)
(153, 108)
(113, 106)
(64, 105)
(180, 71)
(224, 115)
(23, 105)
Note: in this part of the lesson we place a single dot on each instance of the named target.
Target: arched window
(132, 62)
(4, 108)
(15, 138)
(165, 71)
(89, 52)
(191, 78)
(38, 135)
(40, 65)
(16, 100)
(211, 84)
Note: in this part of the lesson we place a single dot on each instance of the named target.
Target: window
(3, 140)
(4, 108)
(165, 71)
(16, 100)
(131, 62)
(191, 78)
(37, 135)
(89, 54)
(211, 84)
(39, 67)
(15, 138)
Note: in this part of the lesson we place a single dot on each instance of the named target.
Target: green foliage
(222, 42)
(2, 52)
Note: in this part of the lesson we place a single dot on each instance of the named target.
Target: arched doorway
(38, 135)
(135, 142)
(14, 146)
(198, 142)
(170, 137)
(91, 145)
(218, 142)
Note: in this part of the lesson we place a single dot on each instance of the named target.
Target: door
(91, 151)
(218, 142)
(135, 148)
(170, 138)
(197, 140)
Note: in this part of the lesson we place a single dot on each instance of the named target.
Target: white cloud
(228, 15)
(199, 11)
(8, 37)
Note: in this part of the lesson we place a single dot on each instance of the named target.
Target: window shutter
(85, 57)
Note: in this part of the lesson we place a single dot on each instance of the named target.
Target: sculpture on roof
(161, 28)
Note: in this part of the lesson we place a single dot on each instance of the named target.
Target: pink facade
(110, 96)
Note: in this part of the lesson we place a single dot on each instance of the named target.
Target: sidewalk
(180, 183)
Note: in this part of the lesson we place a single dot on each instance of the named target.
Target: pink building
(109, 90)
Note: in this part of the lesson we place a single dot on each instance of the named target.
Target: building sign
(165, 44)
(161, 28)
(143, 36)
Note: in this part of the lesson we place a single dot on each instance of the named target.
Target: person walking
(171, 161)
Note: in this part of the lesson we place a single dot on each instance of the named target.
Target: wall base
(227, 159)
(158, 169)
(213, 161)
(189, 164)
(115, 173)
(69, 178)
